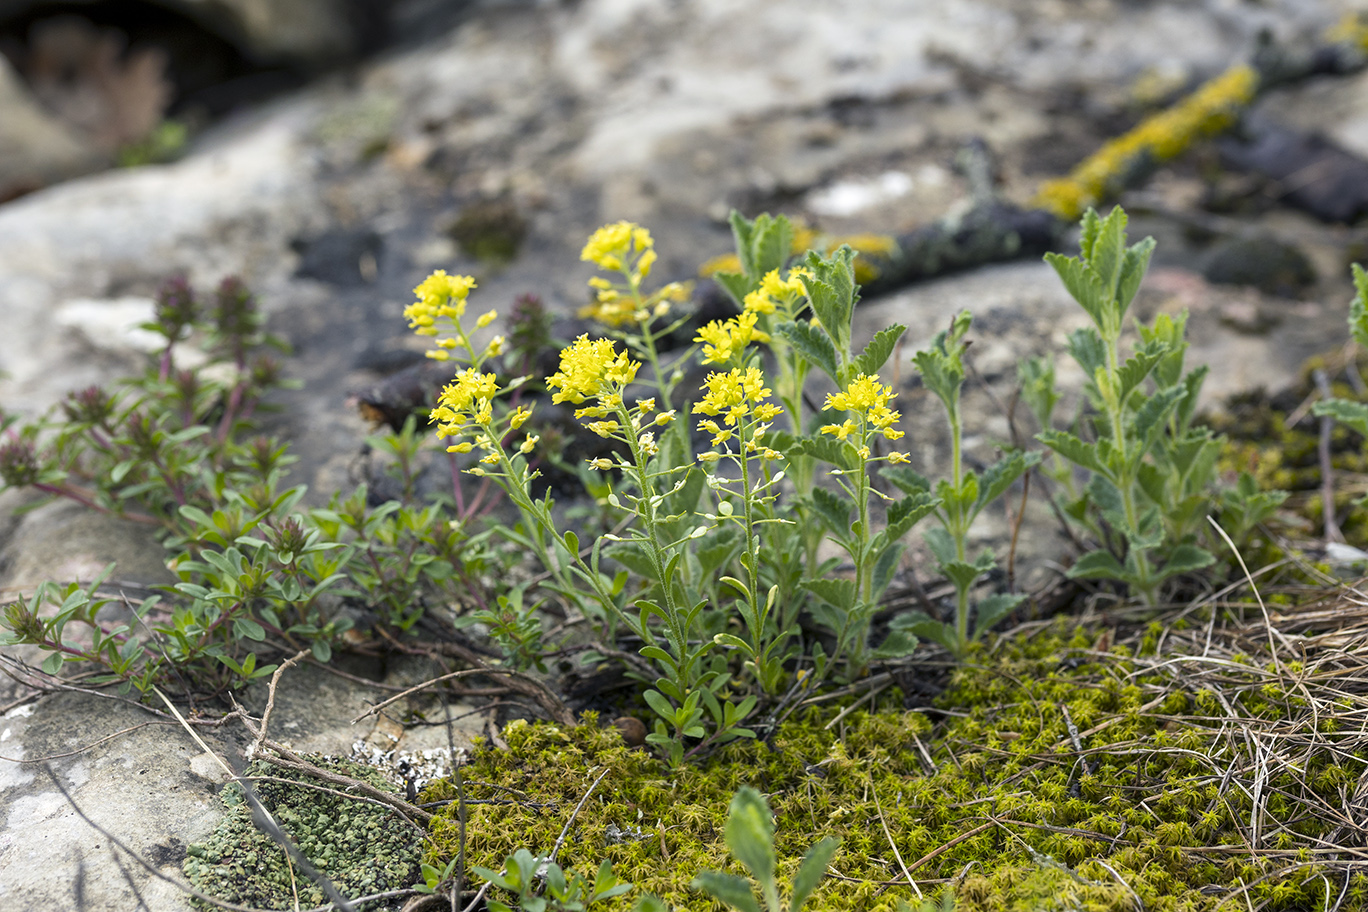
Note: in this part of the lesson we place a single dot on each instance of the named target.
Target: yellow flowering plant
(719, 550)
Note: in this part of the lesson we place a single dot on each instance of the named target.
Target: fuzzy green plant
(750, 837)
(1151, 470)
(1348, 412)
(961, 498)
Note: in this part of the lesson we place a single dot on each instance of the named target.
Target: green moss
(1035, 825)
(361, 847)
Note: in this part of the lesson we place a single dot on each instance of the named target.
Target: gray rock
(35, 147)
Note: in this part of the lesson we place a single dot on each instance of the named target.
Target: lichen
(992, 794)
(1213, 107)
(361, 847)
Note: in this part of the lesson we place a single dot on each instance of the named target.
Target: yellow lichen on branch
(1207, 111)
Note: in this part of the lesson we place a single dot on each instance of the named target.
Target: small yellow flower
(767, 411)
(709, 457)
(470, 391)
(519, 417)
(720, 434)
(486, 318)
(647, 443)
(439, 295)
(529, 443)
(495, 347)
(645, 405)
(490, 459)
(438, 355)
(601, 464)
(731, 393)
(896, 458)
(841, 431)
(590, 368)
(604, 428)
(476, 471)
(758, 302)
(462, 447)
(867, 398)
(609, 246)
(723, 340)
(665, 418)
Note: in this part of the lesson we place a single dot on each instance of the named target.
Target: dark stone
(1312, 173)
(1263, 262)
(340, 257)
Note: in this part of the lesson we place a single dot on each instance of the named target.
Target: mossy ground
(1204, 779)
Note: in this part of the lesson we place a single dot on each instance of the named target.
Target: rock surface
(334, 202)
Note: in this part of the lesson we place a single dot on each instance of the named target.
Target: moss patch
(361, 847)
(1167, 802)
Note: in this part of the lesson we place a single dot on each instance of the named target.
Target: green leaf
(1000, 476)
(1150, 417)
(1097, 565)
(831, 289)
(1358, 310)
(827, 449)
(884, 567)
(750, 834)
(834, 510)
(1072, 448)
(876, 353)
(248, 629)
(898, 644)
(1087, 348)
(1185, 559)
(727, 888)
(53, 663)
(1138, 367)
(735, 284)
(1083, 285)
(1133, 267)
(814, 345)
(906, 513)
(810, 872)
(839, 593)
(663, 708)
(992, 609)
(928, 628)
(771, 243)
(1352, 414)
(906, 480)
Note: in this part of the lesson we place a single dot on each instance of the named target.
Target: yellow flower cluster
(869, 401)
(592, 369)
(1210, 109)
(725, 339)
(442, 296)
(439, 295)
(776, 291)
(613, 247)
(735, 395)
(626, 248)
(466, 400)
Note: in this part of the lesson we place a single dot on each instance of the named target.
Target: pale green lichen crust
(363, 848)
